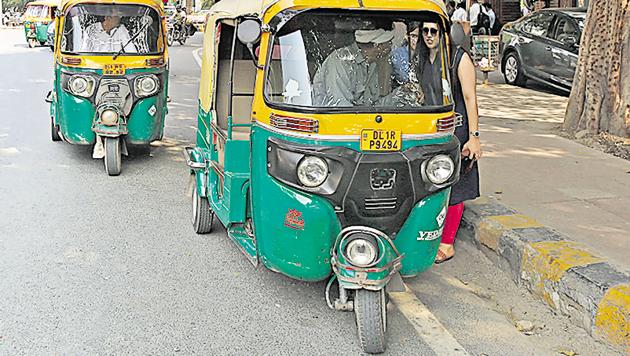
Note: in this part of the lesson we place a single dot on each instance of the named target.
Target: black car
(543, 46)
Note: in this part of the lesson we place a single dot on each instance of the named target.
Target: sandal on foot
(442, 257)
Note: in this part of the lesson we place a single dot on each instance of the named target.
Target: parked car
(543, 46)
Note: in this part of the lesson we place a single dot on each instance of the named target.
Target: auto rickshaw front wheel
(54, 131)
(203, 216)
(113, 157)
(370, 311)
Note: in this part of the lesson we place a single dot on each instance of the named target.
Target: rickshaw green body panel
(40, 33)
(75, 115)
(304, 252)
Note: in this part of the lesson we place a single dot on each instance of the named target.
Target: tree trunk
(600, 97)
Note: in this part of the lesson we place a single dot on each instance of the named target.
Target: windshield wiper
(147, 23)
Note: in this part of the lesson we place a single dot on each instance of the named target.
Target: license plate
(381, 140)
(114, 69)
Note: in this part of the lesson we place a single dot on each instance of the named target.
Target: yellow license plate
(114, 69)
(381, 140)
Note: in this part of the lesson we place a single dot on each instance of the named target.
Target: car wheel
(512, 71)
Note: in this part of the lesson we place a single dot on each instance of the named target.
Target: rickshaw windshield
(37, 11)
(348, 60)
(106, 29)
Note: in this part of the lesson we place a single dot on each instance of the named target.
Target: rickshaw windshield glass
(106, 29)
(37, 11)
(367, 63)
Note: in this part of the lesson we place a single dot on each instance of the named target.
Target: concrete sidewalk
(569, 187)
(554, 213)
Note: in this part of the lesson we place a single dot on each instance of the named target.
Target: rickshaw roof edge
(258, 8)
(44, 2)
(153, 3)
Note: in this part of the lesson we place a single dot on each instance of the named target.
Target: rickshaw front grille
(380, 203)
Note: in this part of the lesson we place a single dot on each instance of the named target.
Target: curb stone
(566, 275)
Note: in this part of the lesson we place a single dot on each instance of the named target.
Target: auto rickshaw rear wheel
(370, 311)
(54, 131)
(203, 216)
(32, 43)
(113, 157)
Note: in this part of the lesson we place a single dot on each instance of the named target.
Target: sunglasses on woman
(432, 31)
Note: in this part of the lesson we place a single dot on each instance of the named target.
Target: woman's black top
(468, 186)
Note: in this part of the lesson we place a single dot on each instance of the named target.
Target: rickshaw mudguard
(146, 120)
(295, 231)
(41, 33)
(420, 235)
(75, 116)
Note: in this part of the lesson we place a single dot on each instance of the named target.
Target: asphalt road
(91, 264)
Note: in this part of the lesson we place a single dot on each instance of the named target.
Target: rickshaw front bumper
(109, 122)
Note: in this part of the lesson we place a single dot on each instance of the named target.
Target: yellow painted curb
(613, 316)
(549, 261)
(491, 228)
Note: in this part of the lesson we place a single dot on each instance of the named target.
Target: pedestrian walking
(465, 98)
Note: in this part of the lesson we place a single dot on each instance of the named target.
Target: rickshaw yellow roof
(153, 3)
(236, 8)
(44, 2)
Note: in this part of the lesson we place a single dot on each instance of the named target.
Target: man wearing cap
(350, 75)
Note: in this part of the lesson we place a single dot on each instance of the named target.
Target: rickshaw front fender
(146, 120)
(375, 277)
(75, 116)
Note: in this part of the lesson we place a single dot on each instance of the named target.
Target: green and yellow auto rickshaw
(37, 16)
(318, 162)
(111, 76)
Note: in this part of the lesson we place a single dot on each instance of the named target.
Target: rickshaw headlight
(146, 85)
(361, 252)
(312, 171)
(440, 169)
(109, 117)
(81, 85)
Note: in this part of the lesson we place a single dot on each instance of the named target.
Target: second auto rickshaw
(38, 15)
(111, 76)
(318, 162)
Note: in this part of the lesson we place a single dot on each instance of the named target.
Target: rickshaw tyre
(370, 315)
(54, 131)
(113, 157)
(203, 216)
(31, 43)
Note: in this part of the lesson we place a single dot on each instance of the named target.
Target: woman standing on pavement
(465, 97)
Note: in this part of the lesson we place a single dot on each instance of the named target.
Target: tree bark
(600, 97)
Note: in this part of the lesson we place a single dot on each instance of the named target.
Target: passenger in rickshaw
(108, 35)
(402, 56)
(350, 76)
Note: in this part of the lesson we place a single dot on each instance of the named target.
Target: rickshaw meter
(360, 252)
(312, 171)
(440, 169)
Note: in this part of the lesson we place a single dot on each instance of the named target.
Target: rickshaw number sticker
(294, 220)
(381, 140)
(114, 69)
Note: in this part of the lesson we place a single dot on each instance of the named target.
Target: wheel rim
(195, 205)
(511, 69)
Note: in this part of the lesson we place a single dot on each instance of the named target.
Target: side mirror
(248, 32)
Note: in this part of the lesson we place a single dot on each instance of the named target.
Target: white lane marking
(426, 324)
(197, 56)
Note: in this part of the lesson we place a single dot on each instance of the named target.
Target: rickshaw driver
(350, 77)
(107, 36)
